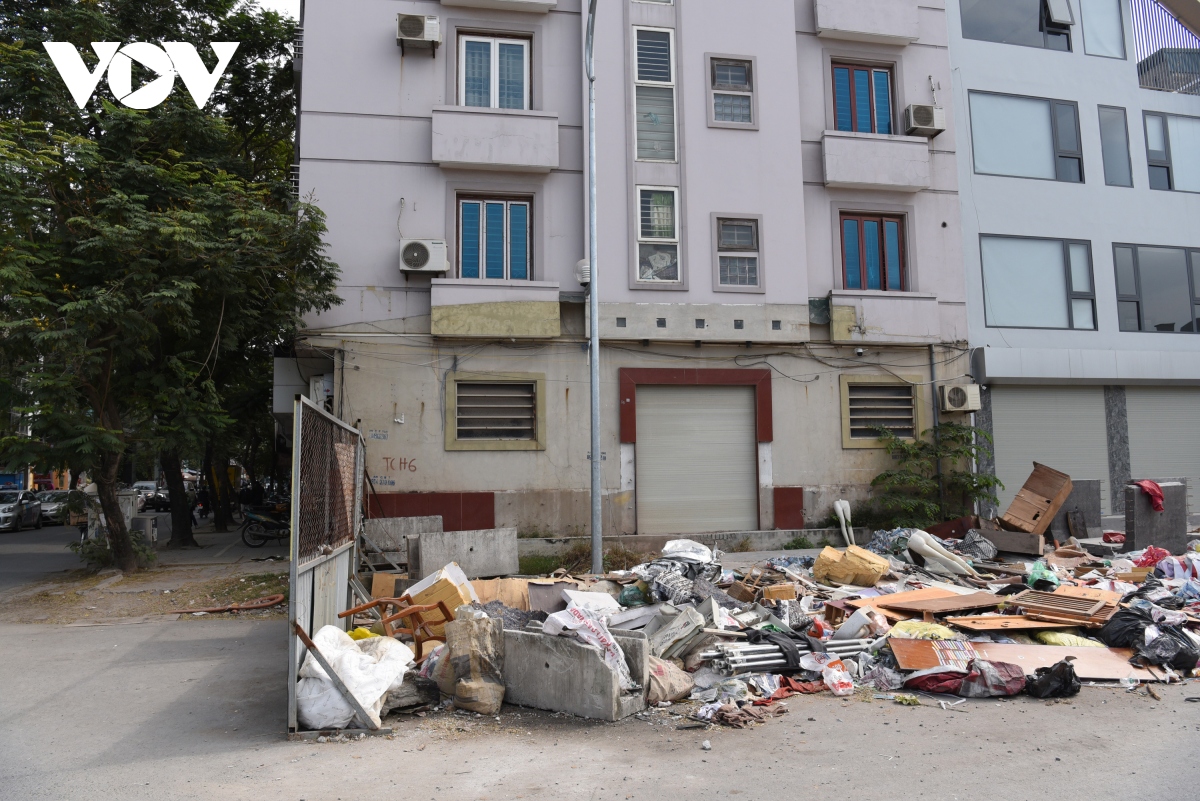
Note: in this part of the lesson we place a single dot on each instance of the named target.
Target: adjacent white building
(1079, 175)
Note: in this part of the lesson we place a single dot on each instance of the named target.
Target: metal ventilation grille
(415, 255)
(500, 411)
(412, 26)
(875, 406)
(922, 116)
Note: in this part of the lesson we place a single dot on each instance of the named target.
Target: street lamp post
(594, 306)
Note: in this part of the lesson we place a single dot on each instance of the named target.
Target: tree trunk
(181, 514)
(119, 540)
(228, 494)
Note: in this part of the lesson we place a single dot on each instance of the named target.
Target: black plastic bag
(1057, 681)
(1171, 647)
(1125, 629)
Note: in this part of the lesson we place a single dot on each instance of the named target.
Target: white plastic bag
(590, 628)
(368, 668)
(687, 551)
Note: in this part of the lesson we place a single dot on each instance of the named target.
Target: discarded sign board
(1038, 501)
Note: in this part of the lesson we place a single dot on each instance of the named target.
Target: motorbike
(263, 523)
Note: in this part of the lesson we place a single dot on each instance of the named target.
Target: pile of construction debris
(915, 616)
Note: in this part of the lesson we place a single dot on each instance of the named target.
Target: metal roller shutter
(1164, 434)
(1061, 427)
(695, 466)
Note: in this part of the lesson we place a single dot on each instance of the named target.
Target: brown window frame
(872, 69)
(902, 241)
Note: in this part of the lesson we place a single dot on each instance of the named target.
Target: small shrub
(797, 544)
(744, 545)
(96, 554)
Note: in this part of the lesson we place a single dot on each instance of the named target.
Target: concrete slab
(482, 553)
(564, 675)
(391, 533)
(1085, 496)
(1166, 529)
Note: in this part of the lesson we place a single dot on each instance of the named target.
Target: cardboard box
(386, 585)
(856, 566)
(780, 592)
(449, 585)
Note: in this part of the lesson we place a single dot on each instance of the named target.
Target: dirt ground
(82, 597)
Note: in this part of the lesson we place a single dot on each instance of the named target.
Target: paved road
(33, 554)
(195, 710)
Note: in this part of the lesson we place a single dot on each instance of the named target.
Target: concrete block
(564, 675)
(1166, 529)
(390, 533)
(484, 553)
(1085, 496)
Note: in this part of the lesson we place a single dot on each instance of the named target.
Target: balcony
(1168, 52)
(535, 6)
(473, 307)
(878, 317)
(891, 22)
(471, 138)
(875, 161)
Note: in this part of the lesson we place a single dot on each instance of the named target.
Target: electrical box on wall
(960, 398)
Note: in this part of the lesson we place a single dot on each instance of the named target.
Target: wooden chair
(420, 629)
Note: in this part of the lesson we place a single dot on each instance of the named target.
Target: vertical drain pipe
(937, 437)
(594, 300)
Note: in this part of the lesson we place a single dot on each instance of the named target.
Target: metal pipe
(593, 300)
(937, 437)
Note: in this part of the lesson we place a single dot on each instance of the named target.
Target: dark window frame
(1191, 264)
(1072, 295)
(871, 69)
(1047, 28)
(1128, 155)
(860, 217)
(1164, 163)
(1059, 152)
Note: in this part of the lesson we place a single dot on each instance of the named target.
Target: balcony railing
(1168, 53)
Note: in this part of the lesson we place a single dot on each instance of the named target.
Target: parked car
(54, 506)
(158, 501)
(19, 508)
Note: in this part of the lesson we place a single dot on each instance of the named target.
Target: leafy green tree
(915, 495)
(138, 249)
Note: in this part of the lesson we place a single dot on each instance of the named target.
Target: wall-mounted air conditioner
(921, 120)
(961, 398)
(423, 256)
(418, 30)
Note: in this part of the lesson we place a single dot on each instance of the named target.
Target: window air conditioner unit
(960, 398)
(922, 120)
(423, 256)
(418, 30)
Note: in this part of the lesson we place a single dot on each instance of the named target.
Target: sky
(289, 7)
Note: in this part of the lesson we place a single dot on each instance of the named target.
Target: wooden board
(1003, 623)
(1038, 501)
(1089, 592)
(957, 603)
(880, 603)
(1091, 664)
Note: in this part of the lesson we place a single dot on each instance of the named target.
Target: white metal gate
(1061, 427)
(695, 459)
(327, 462)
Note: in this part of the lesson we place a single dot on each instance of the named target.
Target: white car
(19, 508)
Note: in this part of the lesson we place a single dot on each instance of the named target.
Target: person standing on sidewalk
(192, 499)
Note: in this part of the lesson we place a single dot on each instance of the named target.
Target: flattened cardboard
(1091, 664)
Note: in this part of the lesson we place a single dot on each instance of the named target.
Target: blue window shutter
(883, 102)
(891, 243)
(841, 96)
(518, 241)
(469, 258)
(477, 74)
(853, 254)
(494, 240)
(872, 254)
(862, 101)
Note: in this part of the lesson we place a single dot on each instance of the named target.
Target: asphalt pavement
(33, 554)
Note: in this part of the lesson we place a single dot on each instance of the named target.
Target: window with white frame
(737, 252)
(493, 72)
(731, 99)
(1037, 283)
(494, 238)
(658, 234)
(654, 94)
